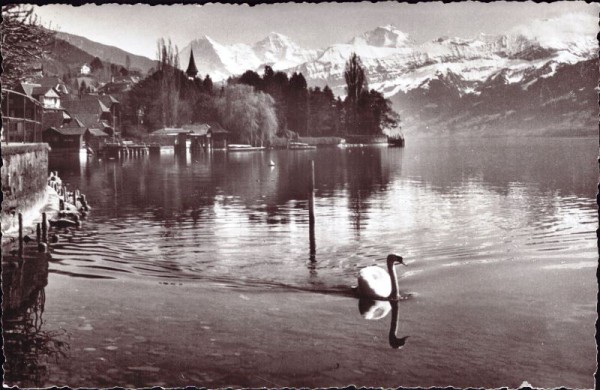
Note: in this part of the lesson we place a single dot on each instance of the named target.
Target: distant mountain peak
(383, 36)
(275, 41)
(206, 38)
(276, 35)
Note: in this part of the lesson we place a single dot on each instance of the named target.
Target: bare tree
(356, 84)
(23, 43)
(171, 77)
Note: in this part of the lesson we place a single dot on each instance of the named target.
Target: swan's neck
(394, 324)
(395, 342)
(394, 280)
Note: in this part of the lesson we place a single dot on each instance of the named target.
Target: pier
(125, 149)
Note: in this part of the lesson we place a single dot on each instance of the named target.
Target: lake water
(198, 270)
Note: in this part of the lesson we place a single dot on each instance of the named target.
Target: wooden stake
(38, 233)
(44, 227)
(311, 194)
(20, 216)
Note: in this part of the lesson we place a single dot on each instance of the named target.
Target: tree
(83, 88)
(356, 83)
(127, 62)
(168, 66)
(297, 104)
(207, 84)
(23, 43)
(356, 79)
(268, 74)
(375, 115)
(249, 114)
(251, 78)
(96, 64)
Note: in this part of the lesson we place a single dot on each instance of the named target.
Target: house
(85, 69)
(96, 112)
(46, 95)
(119, 84)
(86, 84)
(66, 138)
(55, 118)
(55, 83)
(95, 139)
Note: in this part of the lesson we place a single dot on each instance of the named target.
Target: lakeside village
(112, 111)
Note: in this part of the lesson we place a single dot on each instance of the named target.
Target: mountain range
(107, 53)
(446, 85)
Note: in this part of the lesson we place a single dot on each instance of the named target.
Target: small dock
(125, 149)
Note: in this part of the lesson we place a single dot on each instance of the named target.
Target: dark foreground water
(199, 270)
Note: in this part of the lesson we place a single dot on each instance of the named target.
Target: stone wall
(24, 180)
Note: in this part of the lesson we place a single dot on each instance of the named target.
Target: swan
(374, 282)
(375, 310)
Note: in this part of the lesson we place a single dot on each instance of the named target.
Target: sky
(136, 28)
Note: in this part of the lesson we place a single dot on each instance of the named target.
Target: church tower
(192, 71)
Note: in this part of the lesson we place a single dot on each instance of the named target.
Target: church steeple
(192, 71)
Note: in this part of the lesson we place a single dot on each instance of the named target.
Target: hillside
(108, 53)
(62, 58)
(562, 104)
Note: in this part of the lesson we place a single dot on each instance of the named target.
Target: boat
(300, 146)
(396, 141)
(243, 148)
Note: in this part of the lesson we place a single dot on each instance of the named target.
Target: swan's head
(397, 343)
(392, 259)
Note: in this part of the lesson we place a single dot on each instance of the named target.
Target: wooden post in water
(311, 212)
(38, 233)
(75, 198)
(44, 228)
(20, 216)
(311, 194)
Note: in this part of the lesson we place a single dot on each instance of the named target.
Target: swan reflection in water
(372, 309)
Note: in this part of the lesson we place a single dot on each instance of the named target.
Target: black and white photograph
(300, 195)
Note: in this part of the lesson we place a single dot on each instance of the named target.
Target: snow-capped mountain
(217, 60)
(395, 63)
(461, 69)
(280, 52)
(222, 61)
(386, 36)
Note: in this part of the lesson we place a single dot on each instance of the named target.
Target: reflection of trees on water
(27, 346)
(177, 188)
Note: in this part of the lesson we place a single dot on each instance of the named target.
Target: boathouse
(68, 138)
(166, 136)
(95, 139)
(207, 135)
(201, 135)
